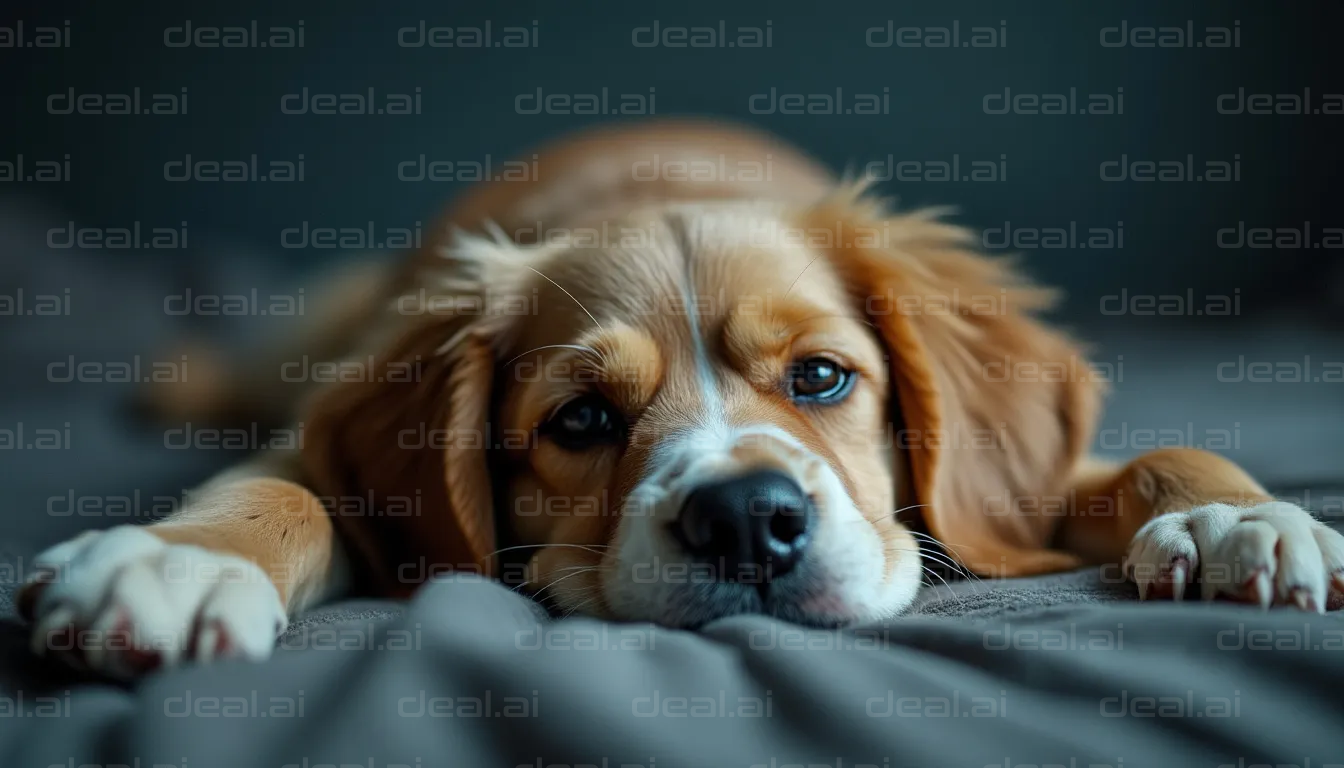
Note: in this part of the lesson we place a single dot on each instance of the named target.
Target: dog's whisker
(957, 569)
(942, 557)
(954, 566)
(937, 575)
(578, 347)
(947, 548)
(974, 585)
(934, 543)
(570, 295)
(800, 276)
(929, 571)
(948, 561)
(595, 597)
(594, 548)
(934, 539)
(558, 571)
(555, 581)
(567, 569)
(551, 585)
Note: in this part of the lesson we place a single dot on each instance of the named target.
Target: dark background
(1288, 431)
(1288, 163)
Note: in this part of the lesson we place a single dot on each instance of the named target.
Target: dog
(686, 373)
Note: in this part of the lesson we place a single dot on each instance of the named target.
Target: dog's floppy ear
(399, 458)
(399, 455)
(995, 408)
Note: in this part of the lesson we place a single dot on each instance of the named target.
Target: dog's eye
(819, 380)
(585, 422)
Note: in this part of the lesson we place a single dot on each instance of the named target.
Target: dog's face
(709, 412)
(696, 421)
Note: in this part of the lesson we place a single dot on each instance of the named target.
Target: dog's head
(714, 408)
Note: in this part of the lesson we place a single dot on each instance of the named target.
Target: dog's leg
(1180, 516)
(217, 579)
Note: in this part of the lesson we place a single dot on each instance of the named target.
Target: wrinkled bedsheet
(1064, 670)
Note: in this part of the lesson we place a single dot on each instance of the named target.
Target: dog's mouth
(692, 594)
(786, 607)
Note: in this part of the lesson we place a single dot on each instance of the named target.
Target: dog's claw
(207, 642)
(1178, 574)
(60, 617)
(1304, 601)
(1260, 590)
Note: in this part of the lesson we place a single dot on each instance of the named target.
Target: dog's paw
(1274, 553)
(124, 602)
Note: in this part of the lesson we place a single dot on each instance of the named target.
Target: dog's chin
(725, 601)
(802, 600)
(785, 607)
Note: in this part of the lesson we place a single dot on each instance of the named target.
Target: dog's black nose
(755, 526)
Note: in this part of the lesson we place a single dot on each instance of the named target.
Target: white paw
(124, 602)
(1272, 553)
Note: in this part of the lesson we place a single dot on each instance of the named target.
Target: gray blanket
(1062, 670)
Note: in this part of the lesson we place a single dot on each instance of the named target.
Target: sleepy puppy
(687, 374)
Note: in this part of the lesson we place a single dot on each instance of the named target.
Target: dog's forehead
(676, 275)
